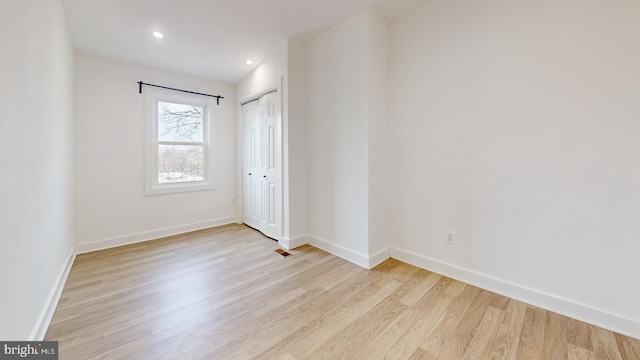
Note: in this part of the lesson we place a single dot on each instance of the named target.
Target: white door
(272, 150)
(251, 158)
(262, 164)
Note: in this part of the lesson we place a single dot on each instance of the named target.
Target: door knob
(249, 174)
(264, 176)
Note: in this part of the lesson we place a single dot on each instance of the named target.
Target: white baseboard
(294, 242)
(340, 251)
(151, 235)
(530, 296)
(378, 258)
(41, 327)
(367, 262)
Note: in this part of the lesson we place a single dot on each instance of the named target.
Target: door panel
(251, 157)
(273, 168)
(272, 203)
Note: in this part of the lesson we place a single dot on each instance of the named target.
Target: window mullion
(183, 143)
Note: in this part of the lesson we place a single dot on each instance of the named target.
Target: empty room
(307, 179)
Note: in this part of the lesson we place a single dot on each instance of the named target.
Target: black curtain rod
(140, 83)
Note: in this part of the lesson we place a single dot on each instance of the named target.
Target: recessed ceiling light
(158, 34)
(249, 62)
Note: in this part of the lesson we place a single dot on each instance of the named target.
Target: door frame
(257, 93)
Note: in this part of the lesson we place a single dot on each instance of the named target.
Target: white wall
(348, 139)
(297, 135)
(515, 125)
(273, 68)
(111, 207)
(36, 142)
(378, 90)
(338, 136)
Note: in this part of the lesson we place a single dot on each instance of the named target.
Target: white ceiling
(206, 38)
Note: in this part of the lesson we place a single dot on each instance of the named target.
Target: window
(178, 142)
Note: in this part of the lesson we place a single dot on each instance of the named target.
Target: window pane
(180, 122)
(180, 163)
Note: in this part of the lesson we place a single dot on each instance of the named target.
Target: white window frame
(152, 143)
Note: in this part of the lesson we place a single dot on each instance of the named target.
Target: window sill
(177, 188)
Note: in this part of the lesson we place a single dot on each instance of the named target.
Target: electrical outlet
(450, 239)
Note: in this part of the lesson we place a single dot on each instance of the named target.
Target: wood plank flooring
(225, 293)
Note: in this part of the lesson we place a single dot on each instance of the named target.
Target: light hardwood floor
(225, 293)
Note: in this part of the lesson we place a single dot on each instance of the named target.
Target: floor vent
(282, 252)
